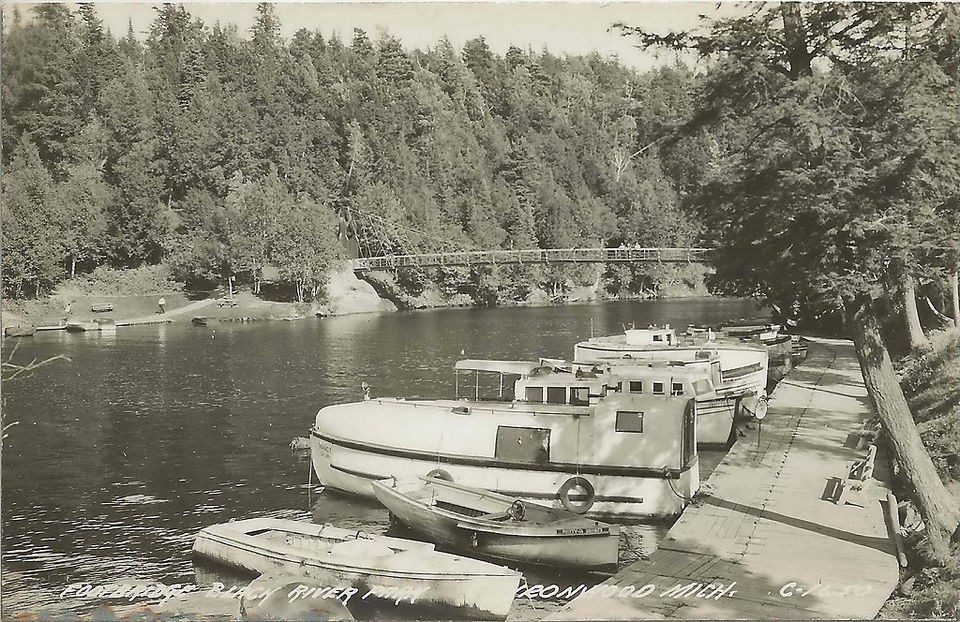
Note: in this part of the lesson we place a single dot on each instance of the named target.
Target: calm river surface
(142, 438)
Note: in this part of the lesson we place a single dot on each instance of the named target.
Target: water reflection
(143, 438)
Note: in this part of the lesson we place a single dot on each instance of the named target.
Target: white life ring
(577, 507)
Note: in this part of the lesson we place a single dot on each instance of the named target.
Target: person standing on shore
(66, 312)
(161, 303)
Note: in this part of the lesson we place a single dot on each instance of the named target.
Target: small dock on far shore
(767, 538)
(153, 318)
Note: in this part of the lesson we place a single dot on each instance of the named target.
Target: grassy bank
(930, 586)
(134, 295)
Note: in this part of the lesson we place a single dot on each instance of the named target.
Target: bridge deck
(534, 256)
(764, 525)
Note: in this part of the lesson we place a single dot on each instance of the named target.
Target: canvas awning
(519, 368)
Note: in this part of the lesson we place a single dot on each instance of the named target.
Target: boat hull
(79, 326)
(353, 468)
(567, 543)
(484, 595)
(19, 331)
(715, 419)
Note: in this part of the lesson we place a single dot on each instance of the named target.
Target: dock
(153, 318)
(767, 538)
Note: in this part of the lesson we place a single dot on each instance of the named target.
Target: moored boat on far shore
(19, 331)
(82, 326)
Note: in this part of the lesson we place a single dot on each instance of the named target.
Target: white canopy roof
(519, 368)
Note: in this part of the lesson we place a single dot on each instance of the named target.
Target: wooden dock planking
(760, 520)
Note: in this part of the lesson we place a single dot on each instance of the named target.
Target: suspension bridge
(533, 256)
(366, 236)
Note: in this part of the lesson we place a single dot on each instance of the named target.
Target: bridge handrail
(534, 255)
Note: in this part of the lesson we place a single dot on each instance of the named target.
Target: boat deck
(766, 522)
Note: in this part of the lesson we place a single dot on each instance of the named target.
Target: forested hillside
(220, 152)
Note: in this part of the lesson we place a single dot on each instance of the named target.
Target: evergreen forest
(222, 153)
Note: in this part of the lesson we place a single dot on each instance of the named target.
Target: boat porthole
(440, 474)
(579, 506)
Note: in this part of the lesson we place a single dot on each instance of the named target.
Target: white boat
(403, 571)
(629, 454)
(490, 525)
(716, 411)
(742, 366)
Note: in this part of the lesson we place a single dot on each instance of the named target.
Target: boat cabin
(629, 430)
(651, 336)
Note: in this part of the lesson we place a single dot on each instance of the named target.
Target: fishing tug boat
(573, 437)
(740, 369)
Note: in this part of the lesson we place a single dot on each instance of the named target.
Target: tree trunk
(955, 297)
(939, 508)
(908, 301)
(73, 266)
(795, 41)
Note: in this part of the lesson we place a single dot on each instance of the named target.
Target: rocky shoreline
(346, 294)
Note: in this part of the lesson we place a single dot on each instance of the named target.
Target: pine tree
(33, 225)
(818, 182)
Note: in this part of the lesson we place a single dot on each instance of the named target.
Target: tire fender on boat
(440, 474)
(577, 507)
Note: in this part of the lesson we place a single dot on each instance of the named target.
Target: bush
(123, 282)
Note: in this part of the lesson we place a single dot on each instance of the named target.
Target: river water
(121, 454)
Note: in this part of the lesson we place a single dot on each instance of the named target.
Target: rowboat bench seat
(102, 307)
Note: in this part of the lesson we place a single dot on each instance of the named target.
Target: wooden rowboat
(19, 331)
(403, 571)
(497, 526)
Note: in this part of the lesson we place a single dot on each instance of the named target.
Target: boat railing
(465, 407)
(739, 372)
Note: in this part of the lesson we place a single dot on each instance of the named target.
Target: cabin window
(523, 444)
(629, 421)
(579, 396)
(701, 386)
(658, 388)
(535, 394)
(556, 395)
(676, 388)
(636, 386)
(658, 337)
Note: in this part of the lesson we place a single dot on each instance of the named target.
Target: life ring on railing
(440, 474)
(577, 507)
